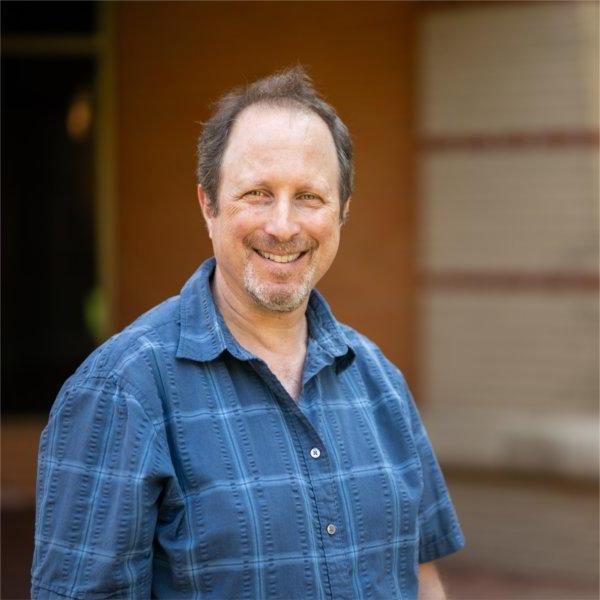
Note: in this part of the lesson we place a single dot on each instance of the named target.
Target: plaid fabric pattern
(175, 465)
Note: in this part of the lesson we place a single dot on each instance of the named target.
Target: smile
(279, 258)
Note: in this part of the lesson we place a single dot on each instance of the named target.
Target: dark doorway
(49, 276)
(48, 245)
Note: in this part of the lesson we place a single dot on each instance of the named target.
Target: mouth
(280, 258)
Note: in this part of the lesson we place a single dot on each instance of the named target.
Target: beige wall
(172, 59)
(508, 104)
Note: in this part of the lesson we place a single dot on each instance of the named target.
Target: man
(237, 441)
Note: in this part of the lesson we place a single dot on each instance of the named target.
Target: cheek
(231, 231)
(329, 239)
(332, 247)
(328, 232)
(242, 221)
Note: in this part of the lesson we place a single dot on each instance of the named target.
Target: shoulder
(130, 361)
(372, 362)
(385, 383)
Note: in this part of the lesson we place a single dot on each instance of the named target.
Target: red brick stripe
(512, 140)
(505, 280)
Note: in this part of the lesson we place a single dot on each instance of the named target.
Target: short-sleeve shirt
(175, 465)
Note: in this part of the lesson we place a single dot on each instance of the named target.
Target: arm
(430, 586)
(100, 469)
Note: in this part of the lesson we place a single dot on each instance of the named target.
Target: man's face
(278, 226)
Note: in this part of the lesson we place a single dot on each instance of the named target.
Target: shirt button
(331, 529)
(315, 452)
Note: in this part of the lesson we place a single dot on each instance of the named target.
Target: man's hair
(292, 88)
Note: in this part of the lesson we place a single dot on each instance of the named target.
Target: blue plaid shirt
(175, 465)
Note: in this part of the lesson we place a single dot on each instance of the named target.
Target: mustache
(269, 243)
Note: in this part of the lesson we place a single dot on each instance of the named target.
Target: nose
(282, 221)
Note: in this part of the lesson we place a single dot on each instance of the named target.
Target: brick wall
(508, 247)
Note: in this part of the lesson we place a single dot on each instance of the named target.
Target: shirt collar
(204, 334)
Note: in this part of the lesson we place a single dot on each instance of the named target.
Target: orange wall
(172, 59)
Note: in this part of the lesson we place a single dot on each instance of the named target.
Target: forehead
(275, 142)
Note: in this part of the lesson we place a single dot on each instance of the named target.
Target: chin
(279, 304)
(277, 297)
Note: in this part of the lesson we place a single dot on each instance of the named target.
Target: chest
(287, 367)
(288, 371)
(276, 490)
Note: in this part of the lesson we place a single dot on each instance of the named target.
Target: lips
(279, 258)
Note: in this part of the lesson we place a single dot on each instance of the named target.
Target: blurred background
(471, 255)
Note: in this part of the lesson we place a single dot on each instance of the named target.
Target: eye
(256, 197)
(309, 196)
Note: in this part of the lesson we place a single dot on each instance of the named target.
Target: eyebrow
(308, 186)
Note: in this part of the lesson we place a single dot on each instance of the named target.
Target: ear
(206, 208)
(346, 212)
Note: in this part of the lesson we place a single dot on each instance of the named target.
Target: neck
(256, 327)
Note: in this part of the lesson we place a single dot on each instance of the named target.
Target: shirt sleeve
(100, 473)
(439, 529)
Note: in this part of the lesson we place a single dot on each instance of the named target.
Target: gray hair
(290, 88)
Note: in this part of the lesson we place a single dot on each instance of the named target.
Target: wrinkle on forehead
(270, 142)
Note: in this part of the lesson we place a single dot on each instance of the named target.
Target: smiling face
(277, 230)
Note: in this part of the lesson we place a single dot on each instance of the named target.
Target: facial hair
(278, 297)
(282, 296)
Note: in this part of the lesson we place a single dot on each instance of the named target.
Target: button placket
(321, 470)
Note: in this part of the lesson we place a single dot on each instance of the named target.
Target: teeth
(285, 258)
